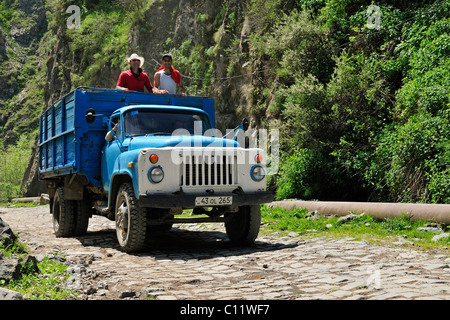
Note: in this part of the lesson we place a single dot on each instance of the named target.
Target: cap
(167, 55)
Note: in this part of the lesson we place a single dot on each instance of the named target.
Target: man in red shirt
(134, 79)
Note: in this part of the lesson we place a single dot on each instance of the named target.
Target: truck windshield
(140, 122)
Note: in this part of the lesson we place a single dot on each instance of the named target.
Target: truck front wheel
(243, 228)
(63, 214)
(130, 219)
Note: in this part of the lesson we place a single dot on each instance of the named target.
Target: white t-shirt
(167, 83)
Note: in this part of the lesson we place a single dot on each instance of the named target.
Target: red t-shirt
(128, 80)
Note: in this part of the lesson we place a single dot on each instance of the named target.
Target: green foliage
(17, 249)
(368, 105)
(295, 45)
(409, 156)
(13, 162)
(438, 175)
(190, 58)
(7, 13)
(99, 44)
(304, 174)
(426, 55)
(265, 14)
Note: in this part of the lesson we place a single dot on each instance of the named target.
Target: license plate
(213, 201)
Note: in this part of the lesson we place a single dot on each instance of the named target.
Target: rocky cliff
(21, 60)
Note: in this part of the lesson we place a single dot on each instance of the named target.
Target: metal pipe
(439, 213)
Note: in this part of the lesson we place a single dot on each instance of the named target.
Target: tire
(63, 215)
(130, 220)
(243, 228)
(82, 215)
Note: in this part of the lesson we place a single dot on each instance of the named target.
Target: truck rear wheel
(130, 219)
(243, 228)
(82, 215)
(63, 214)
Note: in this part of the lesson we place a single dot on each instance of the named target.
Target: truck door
(110, 152)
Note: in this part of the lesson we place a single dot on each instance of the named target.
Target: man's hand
(157, 91)
(122, 88)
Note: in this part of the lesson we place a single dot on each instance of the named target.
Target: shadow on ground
(182, 243)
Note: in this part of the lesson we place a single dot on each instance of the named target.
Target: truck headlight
(155, 174)
(257, 173)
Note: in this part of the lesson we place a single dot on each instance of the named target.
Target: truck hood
(142, 142)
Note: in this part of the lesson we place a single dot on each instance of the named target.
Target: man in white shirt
(167, 77)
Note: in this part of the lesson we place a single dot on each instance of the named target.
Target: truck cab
(159, 158)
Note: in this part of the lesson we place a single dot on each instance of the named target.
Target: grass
(19, 204)
(47, 284)
(363, 227)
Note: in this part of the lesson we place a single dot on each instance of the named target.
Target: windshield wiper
(158, 134)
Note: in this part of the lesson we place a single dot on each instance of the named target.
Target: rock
(6, 294)
(6, 234)
(440, 236)
(349, 217)
(31, 264)
(101, 293)
(313, 215)
(34, 12)
(430, 229)
(10, 268)
(102, 285)
(91, 290)
(127, 294)
(44, 199)
(402, 241)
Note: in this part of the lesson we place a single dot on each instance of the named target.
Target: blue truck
(140, 159)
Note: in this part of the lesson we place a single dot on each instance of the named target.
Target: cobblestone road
(198, 262)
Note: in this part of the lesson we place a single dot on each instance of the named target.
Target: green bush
(411, 160)
(305, 174)
(429, 92)
(13, 162)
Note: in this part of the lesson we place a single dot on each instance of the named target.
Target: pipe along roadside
(439, 213)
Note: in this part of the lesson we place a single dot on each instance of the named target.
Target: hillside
(360, 94)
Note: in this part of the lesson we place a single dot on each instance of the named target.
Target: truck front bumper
(188, 200)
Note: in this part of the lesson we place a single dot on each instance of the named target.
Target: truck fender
(116, 182)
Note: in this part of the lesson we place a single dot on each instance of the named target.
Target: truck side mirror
(90, 116)
(245, 124)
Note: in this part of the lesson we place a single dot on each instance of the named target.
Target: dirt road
(198, 262)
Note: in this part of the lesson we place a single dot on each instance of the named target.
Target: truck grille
(212, 169)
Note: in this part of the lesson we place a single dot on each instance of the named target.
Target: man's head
(136, 61)
(167, 60)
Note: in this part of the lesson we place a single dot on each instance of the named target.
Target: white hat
(135, 56)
